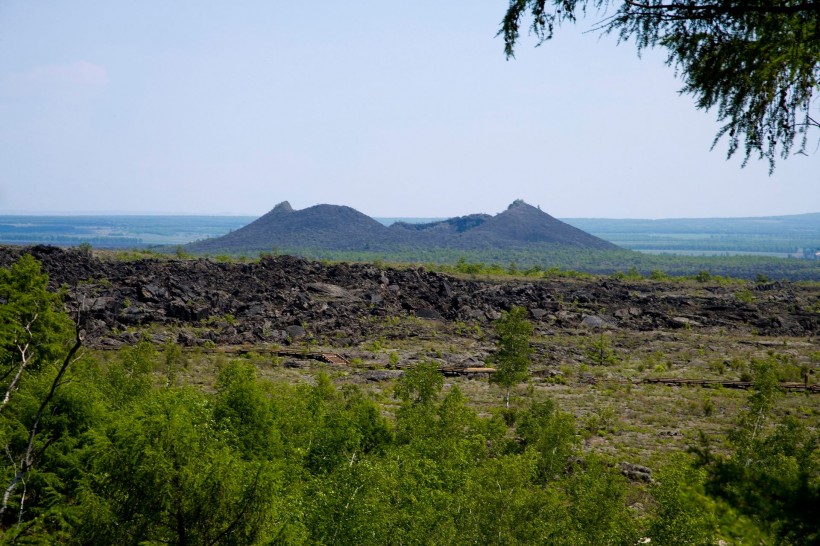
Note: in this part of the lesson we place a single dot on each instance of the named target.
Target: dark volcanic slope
(522, 223)
(330, 227)
(444, 230)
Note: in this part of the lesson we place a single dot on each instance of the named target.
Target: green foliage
(551, 261)
(632, 274)
(773, 473)
(785, 368)
(174, 362)
(550, 435)
(85, 248)
(708, 406)
(126, 455)
(462, 266)
(257, 463)
(164, 472)
(347, 426)
(729, 54)
(512, 512)
(599, 351)
(761, 402)
(420, 385)
(512, 356)
(34, 357)
(703, 276)
(418, 389)
(684, 515)
(243, 408)
(600, 422)
(33, 327)
(73, 410)
(598, 513)
(129, 378)
(745, 296)
(182, 253)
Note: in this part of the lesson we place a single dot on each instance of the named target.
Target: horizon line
(58, 214)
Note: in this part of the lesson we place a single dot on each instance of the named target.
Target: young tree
(682, 515)
(512, 356)
(600, 352)
(420, 386)
(757, 62)
(773, 473)
(550, 434)
(33, 327)
(418, 389)
(35, 338)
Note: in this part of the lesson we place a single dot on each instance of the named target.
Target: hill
(332, 227)
(328, 227)
(523, 223)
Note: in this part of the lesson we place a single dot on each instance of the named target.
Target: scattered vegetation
(129, 451)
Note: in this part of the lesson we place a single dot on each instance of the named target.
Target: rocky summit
(333, 227)
(280, 298)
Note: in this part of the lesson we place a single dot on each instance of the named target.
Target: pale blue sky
(395, 109)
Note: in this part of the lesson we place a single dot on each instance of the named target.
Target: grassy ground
(594, 375)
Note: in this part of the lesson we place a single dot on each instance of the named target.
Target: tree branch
(28, 458)
(717, 9)
(248, 499)
(24, 360)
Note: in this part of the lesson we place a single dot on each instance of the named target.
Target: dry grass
(615, 413)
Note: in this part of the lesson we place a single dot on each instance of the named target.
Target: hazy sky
(393, 108)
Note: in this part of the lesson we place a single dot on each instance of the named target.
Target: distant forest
(794, 236)
(545, 261)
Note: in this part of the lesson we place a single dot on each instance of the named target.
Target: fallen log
(675, 381)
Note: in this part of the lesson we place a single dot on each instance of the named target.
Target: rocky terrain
(602, 346)
(332, 227)
(283, 299)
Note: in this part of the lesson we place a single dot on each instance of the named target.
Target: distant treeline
(65, 240)
(797, 225)
(720, 244)
(114, 231)
(552, 258)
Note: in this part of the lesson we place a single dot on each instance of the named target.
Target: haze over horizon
(405, 111)
(374, 216)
